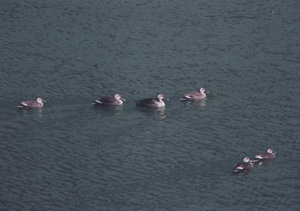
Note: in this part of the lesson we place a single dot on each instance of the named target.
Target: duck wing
(27, 103)
(264, 155)
(190, 95)
(146, 102)
(106, 99)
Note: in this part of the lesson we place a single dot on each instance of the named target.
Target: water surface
(73, 156)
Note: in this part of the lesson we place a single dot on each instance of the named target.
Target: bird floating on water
(152, 102)
(265, 157)
(38, 103)
(110, 100)
(194, 95)
(241, 167)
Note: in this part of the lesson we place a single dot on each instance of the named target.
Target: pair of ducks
(118, 100)
(246, 165)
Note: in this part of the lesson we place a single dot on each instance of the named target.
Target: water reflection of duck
(198, 103)
(38, 103)
(110, 100)
(159, 112)
(194, 95)
(152, 102)
(241, 167)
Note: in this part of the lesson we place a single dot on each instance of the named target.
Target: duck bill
(123, 99)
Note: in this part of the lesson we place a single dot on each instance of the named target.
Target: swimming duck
(38, 103)
(110, 100)
(152, 102)
(194, 95)
(244, 166)
(267, 155)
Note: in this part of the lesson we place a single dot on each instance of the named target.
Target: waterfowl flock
(245, 166)
(117, 100)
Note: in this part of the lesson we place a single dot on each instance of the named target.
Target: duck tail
(183, 99)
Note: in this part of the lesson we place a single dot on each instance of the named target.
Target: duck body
(267, 155)
(110, 100)
(241, 167)
(151, 102)
(38, 103)
(194, 95)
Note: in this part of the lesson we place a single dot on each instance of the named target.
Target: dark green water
(73, 156)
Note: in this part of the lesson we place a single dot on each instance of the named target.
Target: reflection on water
(108, 110)
(265, 162)
(31, 112)
(257, 165)
(243, 175)
(159, 112)
(196, 103)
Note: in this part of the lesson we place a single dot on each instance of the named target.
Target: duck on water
(110, 100)
(152, 102)
(38, 103)
(242, 167)
(194, 95)
(265, 157)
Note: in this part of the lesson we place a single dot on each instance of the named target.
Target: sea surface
(71, 155)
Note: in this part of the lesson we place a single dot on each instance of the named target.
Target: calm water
(73, 156)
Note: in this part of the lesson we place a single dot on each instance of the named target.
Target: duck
(267, 155)
(152, 102)
(194, 95)
(110, 100)
(38, 103)
(245, 166)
